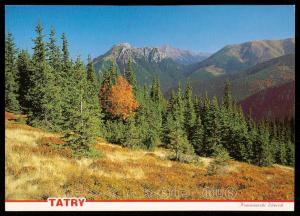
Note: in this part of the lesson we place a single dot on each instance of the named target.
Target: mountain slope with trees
(271, 73)
(272, 103)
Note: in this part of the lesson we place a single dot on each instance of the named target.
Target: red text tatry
(66, 202)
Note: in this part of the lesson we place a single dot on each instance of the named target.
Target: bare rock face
(127, 52)
(124, 51)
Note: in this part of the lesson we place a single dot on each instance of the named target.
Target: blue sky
(94, 29)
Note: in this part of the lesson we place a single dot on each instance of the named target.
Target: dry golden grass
(35, 170)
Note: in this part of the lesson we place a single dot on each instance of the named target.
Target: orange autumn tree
(121, 98)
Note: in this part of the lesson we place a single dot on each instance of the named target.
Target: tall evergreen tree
(65, 51)
(175, 136)
(290, 153)
(91, 74)
(85, 118)
(157, 106)
(189, 113)
(281, 154)
(197, 136)
(11, 76)
(113, 73)
(227, 98)
(212, 127)
(54, 55)
(109, 78)
(54, 58)
(42, 93)
(94, 108)
(69, 81)
(178, 108)
(130, 76)
(25, 71)
(262, 150)
(155, 92)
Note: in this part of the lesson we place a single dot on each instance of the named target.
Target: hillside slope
(35, 170)
(236, 58)
(277, 102)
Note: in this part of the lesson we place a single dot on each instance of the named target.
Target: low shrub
(186, 158)
(94, 153)
(115, 132)
(221, 158)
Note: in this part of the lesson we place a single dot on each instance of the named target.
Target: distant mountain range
(251, 67)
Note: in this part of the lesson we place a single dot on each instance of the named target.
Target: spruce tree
(175, 136)
(85, 120)
(178, 107)
(54, 58)
(54, 55)
(227, 101)
(109, 78)
(66, 54)
(157, 106)
(68, 81)
(94, 108)
(281, 152)
(91, 74)
(11, 76)
(25, 71)
(177, 139)
(148, 120)
(113, 73)
(135, 133)
(130, 76)
(197, 136)
(189, 113)
(234, 128)
(262, 148)
(275, 148)
(211, 127)
(290, 153)
(253, 134)
(42, 93)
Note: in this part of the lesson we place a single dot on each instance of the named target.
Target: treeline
(61, 95)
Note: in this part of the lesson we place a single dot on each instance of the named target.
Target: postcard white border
(155, 206)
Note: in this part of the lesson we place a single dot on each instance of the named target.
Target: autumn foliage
(121, 98)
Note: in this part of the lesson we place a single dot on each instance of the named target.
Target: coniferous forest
(65, 95)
